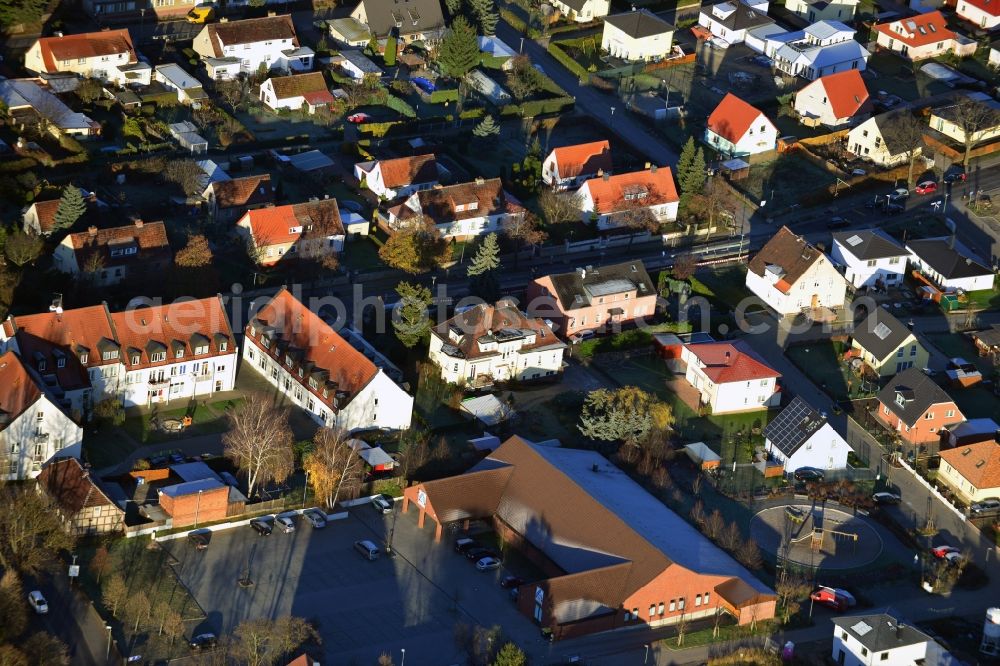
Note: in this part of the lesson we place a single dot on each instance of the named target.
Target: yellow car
(201, 13)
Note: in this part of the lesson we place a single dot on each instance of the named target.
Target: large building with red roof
(984, 14)
(618, 200)
(108, 56)
(569, 166)
(920, 37)
(834, 100)
(110, 256)
(730, 377)
(737, 129)
(33, 427)
(612, 556)
(316, 369)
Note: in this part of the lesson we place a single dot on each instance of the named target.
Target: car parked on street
(955, 174)
(476, 554)
(827, 596)
(286, 523)
(261, 526)
(198, 540)
(315, 517)
(808, 474)
(838, 223)
(986, 507)
(38, 602)
(510, 582)
(464, 544)
(954, 558)
(894, 208)
(899, 193)
(358, 118)
(382, 503)
(886, 498)
(488, 564)
(205, 641)
(927, 187)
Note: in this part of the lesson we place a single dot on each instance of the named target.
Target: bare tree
(263, 642)
(331, 464)
(31, 534)
(904, 132)
(730, 538)
(523, 230)
(100, 563)
(172, 625)
(974, 118)
(22, 248)
(259, 441)
(137, 609)
(44, 649)
(791, 590)
(12, 607)
(559, 207)
(749, 555)
(714, 525)
(115, 594)
(681, 627)
(698, 514)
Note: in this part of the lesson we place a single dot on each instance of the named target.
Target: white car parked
(37, 602)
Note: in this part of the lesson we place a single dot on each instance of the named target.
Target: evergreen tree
(71, 207)
(486, 15)
(486, 128)
(459, 51)
(685, 161)
(409, 318)
(693, 180)
(482, 272)
(454, 6)
(391, 46)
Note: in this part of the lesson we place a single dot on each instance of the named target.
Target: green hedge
(492, 62)
(472, 113)
(379, 130)
(567, 62)
(514, 21)
(442, 96)
(400, 106)
(537, 107)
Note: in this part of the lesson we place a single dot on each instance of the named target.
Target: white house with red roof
(614, 200)
(983, 14)
(834, 100)
(791, 276)
(33, 428)
(40, 217)
(295, 92)
(316, 369)
(569, 166)
(107, 56)
(730, 377)
(922, 36)
(311, 230)
(230, 47)
(398, 177)
(178, 351)
(735, 128)
(111, 256)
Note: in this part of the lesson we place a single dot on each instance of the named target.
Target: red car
(942, 551)
(358, 118)
(829, 598)
(927, 187)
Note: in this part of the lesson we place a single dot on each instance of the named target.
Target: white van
(369, 550)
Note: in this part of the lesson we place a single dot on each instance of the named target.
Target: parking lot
(411, 601)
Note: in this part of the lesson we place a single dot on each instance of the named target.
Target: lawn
(725, 285)
(976, 402)
(985, 299)
(956, 345)
(206, 419)
(362, 255)
(820, 361)
(919, 227)
(630, 339)
(145, 570)
(106, 446)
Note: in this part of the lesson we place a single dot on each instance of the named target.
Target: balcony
(157, 382)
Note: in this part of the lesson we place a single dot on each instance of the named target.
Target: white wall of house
(551, 177)
(374, 182)
(826, 449)
(761, 137)
(840, 10)
(254, 54)
(812, 102)
(820, 286)
(181, 380)
(974, 283)
(104, 68)
(222, 71)
(866, 142)
(380, 404)
(473, 226)
(622, 45)
(270, 98)
(592, 9)
(706, 20)
(955, 131)
(730, 397)
(914, 52)
(866, 272)
(976, 15)
(31, 225)
(994, 57)
(508, 362)
(852, 651)
(34, 437)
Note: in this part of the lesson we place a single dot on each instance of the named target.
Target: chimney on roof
(223, 20)
(138, 224)
(583, 273)
(600, 173)
(729, 358)
(480, 180)
(606, 176)
(58, 33)
(652, 169)
(272, 14)
(92, 230)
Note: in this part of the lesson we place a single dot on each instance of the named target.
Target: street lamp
(107, 656)
(305, 488)
(197, 510)
(645, 659)
(521, 49)
(612, 123)
(402, 661)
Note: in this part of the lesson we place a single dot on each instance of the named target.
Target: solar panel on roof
(794, 425)
(882, 331)
(855, 239)
(861, 628)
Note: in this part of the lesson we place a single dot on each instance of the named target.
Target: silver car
(315, 517)
(285, 523)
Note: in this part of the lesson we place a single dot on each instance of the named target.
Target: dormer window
(201, 350)
(900, 400)
(223, 346)
(313, 384)
(264, 341)
(289, 361)
(295, 230)
(41, 365)
(109, 355)
(156, 357)
(179, 353)
(135, 359)
(84, 357)
(60, 362)
(301, 373)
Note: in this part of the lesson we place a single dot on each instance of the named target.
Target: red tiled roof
(249, 31)
(978, 463)
(17, 389)
(71, 333)
(71, 486)
(846, 92)
(148, 238)
(245, 191)
(408, 170)
(727, 362)
(991, 7)
(918, 30)
(181, 326)
(293, 331)
(45, 211)
(319, 98)
(609, 192)
(273, 226)
(732, 118)
(583, 158)
(85, 45)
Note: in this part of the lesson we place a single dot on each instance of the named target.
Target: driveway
(595, 103)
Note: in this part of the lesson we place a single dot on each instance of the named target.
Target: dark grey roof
(639, 23)
(910, 394)
(946, 260)
(869, 244)
(575, 5)
(881, 632)
(743, 18)
(576, 289)
(793, 427)
(892, 141)
(406, 16)
(990, 336)
(880, 333)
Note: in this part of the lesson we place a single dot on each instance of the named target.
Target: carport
(418, 495)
